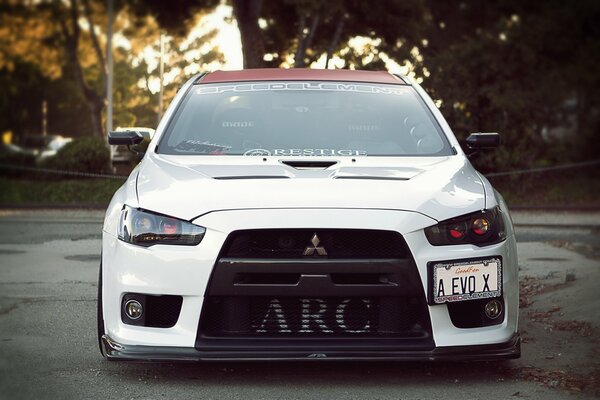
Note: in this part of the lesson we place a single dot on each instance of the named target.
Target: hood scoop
(377, 178)
(309, 164)
(377, 173)
(252, 177)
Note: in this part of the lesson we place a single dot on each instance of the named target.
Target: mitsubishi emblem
(315, 241)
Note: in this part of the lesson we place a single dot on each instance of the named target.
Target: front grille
(398, 317)
(158, 311)
(337, 243)
(163, 311)
(264, 292)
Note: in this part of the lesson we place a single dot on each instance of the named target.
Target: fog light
(133, 309)
(493, 309)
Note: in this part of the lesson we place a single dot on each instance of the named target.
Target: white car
(307, 214)
(56, 143)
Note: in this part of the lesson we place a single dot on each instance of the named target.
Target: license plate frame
(448, 268)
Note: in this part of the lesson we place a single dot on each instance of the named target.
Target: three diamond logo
(310, 250)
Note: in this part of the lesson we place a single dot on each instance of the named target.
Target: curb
(555, 208)
(562, 226)
(55, 206)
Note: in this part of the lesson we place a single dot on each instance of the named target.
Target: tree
(69, 20)
(46, 33)
(59, 46)
(513, 67)
(247, 14)
(136, 77)
(299, 32)
(517, 67)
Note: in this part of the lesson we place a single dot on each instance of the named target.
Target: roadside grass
(72, 191)
(550, 190)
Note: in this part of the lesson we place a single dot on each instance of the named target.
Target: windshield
(303, 119)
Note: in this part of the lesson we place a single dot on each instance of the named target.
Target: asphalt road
(48, 349)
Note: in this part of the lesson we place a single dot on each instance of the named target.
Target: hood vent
(309, 164)
(252, 177)
(376, 178)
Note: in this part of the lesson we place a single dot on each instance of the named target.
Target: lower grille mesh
(162, 311)
(314, 317)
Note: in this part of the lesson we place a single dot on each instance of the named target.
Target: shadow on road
(327, 373)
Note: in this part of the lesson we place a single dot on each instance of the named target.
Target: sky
(228, 37)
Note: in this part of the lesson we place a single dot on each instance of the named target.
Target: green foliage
(43, 57)
(24, 90)
(573, 188)
(518, 68)
(85, 191)
(81, 155)
(175, 16)
(19, 87)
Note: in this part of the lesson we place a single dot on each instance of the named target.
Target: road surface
(48, 349)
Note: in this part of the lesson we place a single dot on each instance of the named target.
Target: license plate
(466, 280)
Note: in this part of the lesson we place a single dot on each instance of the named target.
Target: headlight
(481, 228)
(144, 228)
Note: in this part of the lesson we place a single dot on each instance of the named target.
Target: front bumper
(500, 351)
(186, 271)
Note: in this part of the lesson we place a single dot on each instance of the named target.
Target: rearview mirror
(480, 141)
(127, 138)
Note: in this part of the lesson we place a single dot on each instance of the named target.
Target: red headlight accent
(457, 232)
(169, 227)
(480, 226)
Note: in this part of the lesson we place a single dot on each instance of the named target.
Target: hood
(190, 186)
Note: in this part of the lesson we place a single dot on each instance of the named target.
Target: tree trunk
(95, 105)
(299, 56)
(94, 101)
(87, 10)
(246, 13)
(305, 40)
(335, 41)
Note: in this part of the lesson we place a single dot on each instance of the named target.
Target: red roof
(301, 74)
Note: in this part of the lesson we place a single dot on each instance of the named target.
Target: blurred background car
(44, 146)
(53, 146)
(11, 148)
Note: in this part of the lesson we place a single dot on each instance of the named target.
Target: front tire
(99, 313)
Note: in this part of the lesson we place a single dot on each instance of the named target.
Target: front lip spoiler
(116, 351)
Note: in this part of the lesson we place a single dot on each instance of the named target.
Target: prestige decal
(258, 152)
(338, 87)
(304, 152)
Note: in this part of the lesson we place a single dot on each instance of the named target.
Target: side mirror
(127, 138)
(480, 141)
